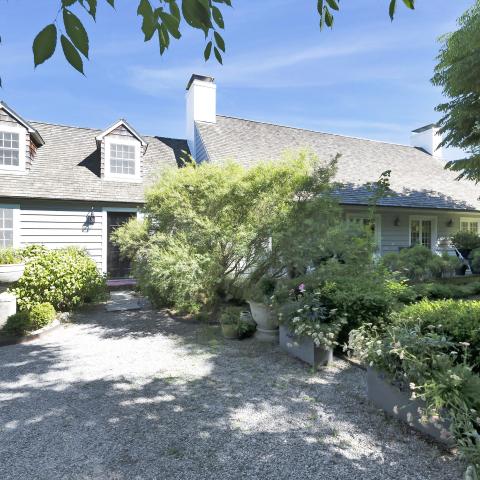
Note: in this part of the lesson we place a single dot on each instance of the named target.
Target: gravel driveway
(137, 395)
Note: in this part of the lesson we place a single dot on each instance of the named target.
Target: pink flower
(301, 288)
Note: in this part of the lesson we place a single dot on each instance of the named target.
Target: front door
(117, 267)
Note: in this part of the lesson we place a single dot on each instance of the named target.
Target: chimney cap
(203, 78)
(425, 128)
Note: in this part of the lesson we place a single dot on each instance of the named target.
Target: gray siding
(393, 237)
(61, 225)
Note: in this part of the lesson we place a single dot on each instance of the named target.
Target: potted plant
(11, 265)
(465, 242)
(309, 330)
(260, 297)
(235, 324)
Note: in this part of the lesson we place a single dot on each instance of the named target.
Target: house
(62, 185)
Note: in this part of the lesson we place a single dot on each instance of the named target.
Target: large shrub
(9, 256)
(420, 263)
(65, 278)
(207, 226)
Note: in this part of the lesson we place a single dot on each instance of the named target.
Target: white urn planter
(9, 273)
(266, 320)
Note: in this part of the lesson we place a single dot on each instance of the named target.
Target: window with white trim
(470, 225)
(122, 159)
(6, 227)
(9, 149)
(423, 231)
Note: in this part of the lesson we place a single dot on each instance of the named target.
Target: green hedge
(459, 320)
(66, 278)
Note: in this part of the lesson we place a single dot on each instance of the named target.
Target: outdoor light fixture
(396, 222)
(90, 220)
(450, 223)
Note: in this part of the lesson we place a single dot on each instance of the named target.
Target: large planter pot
(229, 331)
(304, 348)
(11, 273)
(398, 403)
(266, 320)
(8, 306)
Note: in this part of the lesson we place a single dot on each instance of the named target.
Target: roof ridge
(314, 131)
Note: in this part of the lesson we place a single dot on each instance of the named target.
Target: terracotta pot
(11, 272)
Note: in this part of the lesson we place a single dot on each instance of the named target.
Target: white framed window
(423, 231)
(374, 225)
(470, 224)
(9, 226)
(12, 148)
(122, 159)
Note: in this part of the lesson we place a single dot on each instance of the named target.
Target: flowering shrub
(65, 278)
(308, 316)
(426, 351)
(9, 256)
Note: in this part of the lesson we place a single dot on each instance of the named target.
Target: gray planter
(304, 348)
(8, 306)
(266, 320)
(398, 403)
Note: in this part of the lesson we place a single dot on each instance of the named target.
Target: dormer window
(121, 152)
(9, 149)
(12, 148)
(122, 159)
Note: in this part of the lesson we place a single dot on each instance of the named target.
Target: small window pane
(122, 159)
(9, 149)
(6, 227)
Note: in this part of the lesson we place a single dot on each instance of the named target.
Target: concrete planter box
(398, 403)
(304, 348)
(8, 306)
(11, 273)
(267, 323)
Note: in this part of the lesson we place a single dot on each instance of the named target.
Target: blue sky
(368, 77)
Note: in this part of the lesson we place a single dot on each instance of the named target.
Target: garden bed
(304, 348)
(397, 403)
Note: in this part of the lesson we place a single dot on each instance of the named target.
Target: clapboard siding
(62, 225)
(395, 225)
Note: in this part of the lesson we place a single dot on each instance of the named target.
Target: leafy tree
(207, 227)
(457, 73)
(162, 20)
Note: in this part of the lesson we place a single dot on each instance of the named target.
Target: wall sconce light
(396, 222)
(450, 223)
(90, 220)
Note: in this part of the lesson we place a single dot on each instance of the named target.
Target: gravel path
(137, 395)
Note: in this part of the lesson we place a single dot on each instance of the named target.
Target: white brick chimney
(428, 138)
(201, 102)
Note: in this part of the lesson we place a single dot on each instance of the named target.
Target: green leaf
(76, 31)
(391, 8)
(145, 10)
(174, 10)
(410, 4)
(163, 38)
(218, 55)
(197, 14)
(218, 17)
(92, 7)
(219, 41)
(328, 18)
(332, 4)
(111, 3)
(320, 7)
(71, 54)
(44, 44)
(68, 3)
(208, 50)
(171, 23)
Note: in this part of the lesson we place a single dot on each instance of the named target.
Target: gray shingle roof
(418, 179)
(67, 167)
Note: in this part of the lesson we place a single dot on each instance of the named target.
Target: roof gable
(31, 130)
(125, 124)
